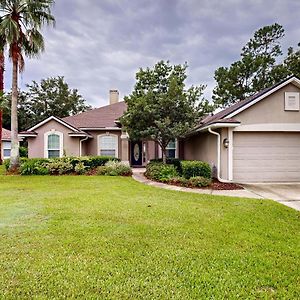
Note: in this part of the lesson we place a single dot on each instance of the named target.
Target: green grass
(113, 238)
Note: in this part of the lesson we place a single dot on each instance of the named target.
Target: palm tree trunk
(1, 95)
(14, 156)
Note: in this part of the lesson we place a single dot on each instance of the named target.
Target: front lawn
(113, 238)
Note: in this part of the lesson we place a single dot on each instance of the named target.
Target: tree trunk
(164, 154)
(1, 95)
(1, 136)
(14, 156)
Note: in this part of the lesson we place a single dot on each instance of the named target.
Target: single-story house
(6, 143)
(255, 140)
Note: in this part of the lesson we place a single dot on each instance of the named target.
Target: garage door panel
(266, 156)
(269, 165)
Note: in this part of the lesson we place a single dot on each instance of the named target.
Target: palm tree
(20, 25)
(2, 60)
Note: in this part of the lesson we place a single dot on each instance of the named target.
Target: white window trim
(108, 134)
(61, 142)
(176, 150)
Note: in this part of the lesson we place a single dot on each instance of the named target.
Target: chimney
(113, 96)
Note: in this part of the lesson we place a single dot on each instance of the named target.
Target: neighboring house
(257, 139)
(6, 143)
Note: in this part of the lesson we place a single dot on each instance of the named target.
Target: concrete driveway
(287, 194)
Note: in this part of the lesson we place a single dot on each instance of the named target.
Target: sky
(100, 45)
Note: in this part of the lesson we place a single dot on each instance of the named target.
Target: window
(53, 144)
(6, 149)
(171, 149)
(108, 145)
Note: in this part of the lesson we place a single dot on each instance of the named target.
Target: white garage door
(266, 157)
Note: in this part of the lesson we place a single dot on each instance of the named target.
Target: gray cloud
(98, 45)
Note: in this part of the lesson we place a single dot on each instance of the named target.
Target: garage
(266, 157)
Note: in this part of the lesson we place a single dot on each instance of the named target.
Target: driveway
(287, 194)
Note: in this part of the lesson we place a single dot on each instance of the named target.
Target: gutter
(80, 145)
(219, 154)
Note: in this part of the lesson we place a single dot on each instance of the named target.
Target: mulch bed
(217, 185)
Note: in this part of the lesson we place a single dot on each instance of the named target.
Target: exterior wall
(36, 145)
(91, 145)
(224, 154)
(270, 110)
(151, 153)
(202, 146)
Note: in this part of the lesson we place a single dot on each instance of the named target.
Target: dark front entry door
(136, 153)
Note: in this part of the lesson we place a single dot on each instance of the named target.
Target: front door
(136, 153)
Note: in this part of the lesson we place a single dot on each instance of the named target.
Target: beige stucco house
(255, 140)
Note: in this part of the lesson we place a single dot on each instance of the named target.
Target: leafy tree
(50, 97)
(160, 107)
(256, 70)
(292, 61)
(21, 23)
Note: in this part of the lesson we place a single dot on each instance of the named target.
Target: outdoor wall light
(226, 143)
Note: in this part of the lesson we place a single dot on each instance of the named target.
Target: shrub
(80, 168)
(181, 181)
(23, 152)
(114, 168)
(97, 161)
(33, 167)
(160, 171)
(59, 166)
(195, 169)
(198, 181)
(170, 161)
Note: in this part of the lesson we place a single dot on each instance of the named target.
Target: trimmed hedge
(113, 168)
(170, 161)
(160, 172)
(195, 168)
(60, 166)
(193, 173)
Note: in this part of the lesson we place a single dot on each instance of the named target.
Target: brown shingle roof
(105, 116)
(6, 134)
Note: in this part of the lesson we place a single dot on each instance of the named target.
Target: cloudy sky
(99, 45)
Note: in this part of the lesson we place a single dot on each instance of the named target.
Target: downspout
(219, 156)
(80, 145)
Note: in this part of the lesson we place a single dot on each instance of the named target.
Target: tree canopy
(259, 67)
(50, 97)
(160, 107)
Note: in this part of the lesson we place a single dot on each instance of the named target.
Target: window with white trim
(6, 149)
(171, 149)
(53, 145)
(108, 145)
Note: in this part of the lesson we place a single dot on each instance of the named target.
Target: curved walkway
(139, 176)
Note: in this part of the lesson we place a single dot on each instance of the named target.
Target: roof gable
(238, 107)
(6, 135)
(62, 122)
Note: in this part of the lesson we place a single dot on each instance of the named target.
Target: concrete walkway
(139, 176)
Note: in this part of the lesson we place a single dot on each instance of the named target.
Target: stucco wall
(91, 145)
(202, 146)
(36, 145)
(270, 109)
